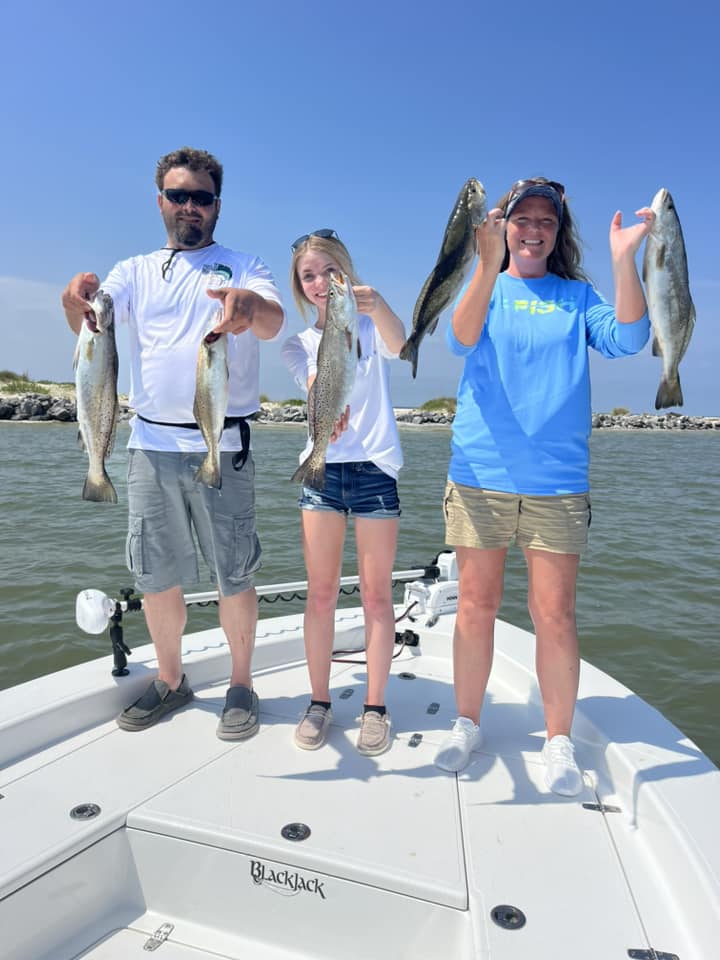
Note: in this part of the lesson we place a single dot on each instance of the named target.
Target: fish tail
(99, 489)
(208, 473)
(669, 393)
(310, 474)
(409, 351)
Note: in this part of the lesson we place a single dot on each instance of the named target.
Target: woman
(520, 448)
(361, 473)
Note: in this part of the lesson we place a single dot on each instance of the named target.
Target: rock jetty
(35, 407)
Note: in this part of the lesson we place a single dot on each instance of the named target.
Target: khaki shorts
(490, 520)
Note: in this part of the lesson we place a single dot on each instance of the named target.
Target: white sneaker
(562, 774)
(455, 750)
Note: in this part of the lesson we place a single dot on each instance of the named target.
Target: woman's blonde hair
(332, 247)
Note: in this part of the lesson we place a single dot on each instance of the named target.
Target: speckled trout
(336, 366)
(451, 269)
(672, 312)
(210, 404)
(96, 371)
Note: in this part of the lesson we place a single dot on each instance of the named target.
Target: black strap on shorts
(239, 458)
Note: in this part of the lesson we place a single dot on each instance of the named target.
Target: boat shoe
(240, 718)
(152, 706)
(374, 736)
(312, 730)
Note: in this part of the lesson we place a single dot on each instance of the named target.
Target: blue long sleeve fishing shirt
(523, 417)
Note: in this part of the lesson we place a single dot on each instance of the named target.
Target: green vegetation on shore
(440, 404)
(20, 383)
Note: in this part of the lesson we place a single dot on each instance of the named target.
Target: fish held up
(670, 306)
(96, 372)
(452, 267)
(329, 394)
(210, 403)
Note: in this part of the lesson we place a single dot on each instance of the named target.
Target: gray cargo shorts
(166, 504)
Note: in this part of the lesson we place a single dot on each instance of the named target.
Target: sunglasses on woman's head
(325, 234)
(517, 188)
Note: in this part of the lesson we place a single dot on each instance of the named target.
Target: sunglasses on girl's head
(201, 198)
(325, 234)
(524, 184)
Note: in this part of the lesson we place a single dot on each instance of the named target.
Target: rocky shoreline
(36, 407)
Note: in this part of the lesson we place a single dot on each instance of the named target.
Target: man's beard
(191, 235)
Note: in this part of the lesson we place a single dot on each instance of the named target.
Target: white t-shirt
(372, 432)
(167, 318)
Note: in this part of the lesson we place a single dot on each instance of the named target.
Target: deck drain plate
(295, 831)
(85, 811)
(508, 917)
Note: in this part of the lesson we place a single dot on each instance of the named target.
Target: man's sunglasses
(325, 233)
(201, 198)
(517, 188)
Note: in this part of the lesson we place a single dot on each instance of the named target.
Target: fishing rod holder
(120, 649)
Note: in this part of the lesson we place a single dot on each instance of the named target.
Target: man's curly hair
(195, 160)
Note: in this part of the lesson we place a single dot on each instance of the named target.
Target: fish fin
(669, 393)
(310, 407)
(309, 474)
(297, 477)
(99, 490)
(409, 351)
(660, 256)
(81, 441)
(656, 349)
(689, 327)
(110, 445)
(208, 473)
(359, 349)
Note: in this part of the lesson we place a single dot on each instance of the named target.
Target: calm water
(647, 597)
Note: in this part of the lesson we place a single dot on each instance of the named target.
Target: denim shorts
(166, 504)
(359, 488)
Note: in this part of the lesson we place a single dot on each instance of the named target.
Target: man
(170, 299)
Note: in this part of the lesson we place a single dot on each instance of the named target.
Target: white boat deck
(402, 860)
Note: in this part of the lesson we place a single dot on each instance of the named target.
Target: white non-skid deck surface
(493, 835)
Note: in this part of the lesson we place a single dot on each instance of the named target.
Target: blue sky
(366, 117)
